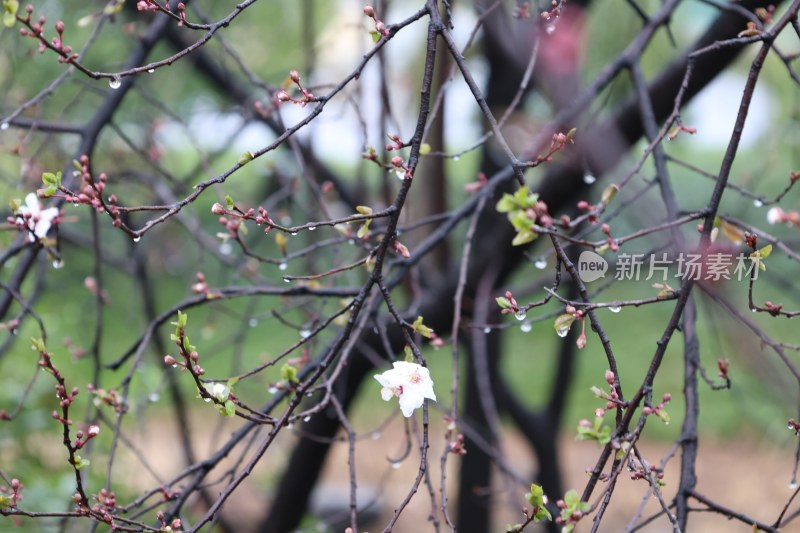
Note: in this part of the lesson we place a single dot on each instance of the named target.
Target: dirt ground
(744, 474)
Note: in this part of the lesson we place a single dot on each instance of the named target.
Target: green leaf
(37, 345)
(15, 204)
(364, 210)
(114, 7)
(376, 36)
(227, 409)
(506, 204)
(245, 158)
(503, 302)
(571, 498)
(10, 8)
(524, 237)
(183, 319)
(289, 373)
(520, 220)
(563, 323)
(409, 354)
(608, 194)
(536, 496)
(759, 255)
(229, 202)
(663, 415)
(421, 328)
(363, 231)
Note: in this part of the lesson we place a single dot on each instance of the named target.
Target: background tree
(263, 205)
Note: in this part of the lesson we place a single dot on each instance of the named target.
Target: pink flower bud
(217, 209)
(609, 377)
(369, 11)
(94, 431)
(294, 76)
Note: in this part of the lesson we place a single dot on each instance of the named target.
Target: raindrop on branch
(115, 83)
(615, 308)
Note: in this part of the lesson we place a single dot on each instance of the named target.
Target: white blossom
(219, 391)
(410, 382)
(775, 215)
(38, 220)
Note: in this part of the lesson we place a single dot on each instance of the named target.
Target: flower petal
(410, 401)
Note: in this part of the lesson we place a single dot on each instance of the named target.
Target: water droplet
(757, 202)
(541, 263)
(225, 248)
(153, 397)
(306, 419)
(294, 233)
(15, 332)
(4, 126)
(137, 238)
(520, 315)
(58, 263)
(754, 310)
(793, 485)
(151, 70)
(396, 464)
(312, 228)
(550, 25)
(115, 83)
(252, 322)
(272, 390)
(562, 331)
(175, 366)
(615, 308)
(304, 333)
(287, 279)
(289, 425)
(588, 179)
(487, 330)
(351, 241)
(400, 173)
(282, 266)
(526, 328)
(309, 394)
(666, 423)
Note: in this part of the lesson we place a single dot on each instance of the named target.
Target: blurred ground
(746, 474)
